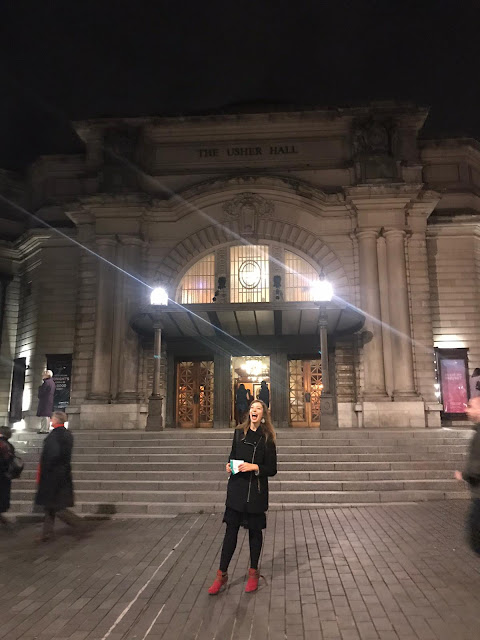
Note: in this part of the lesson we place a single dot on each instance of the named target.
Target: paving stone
(353, 573)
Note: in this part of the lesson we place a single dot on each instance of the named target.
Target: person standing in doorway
(54, 478)
(247, 492)
(46, 392)
(264, 393)
(7, 451)
(471, 475)
(241, 402)
(475, 383)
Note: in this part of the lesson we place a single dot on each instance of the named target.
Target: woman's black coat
(6, 451)
(247, 491)
(55, 488)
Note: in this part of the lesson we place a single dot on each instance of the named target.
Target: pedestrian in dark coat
(264, 393)
(55, 485)
(7, 451)
(247, 492)
(46, 393)
(475, 383)
(471, 475)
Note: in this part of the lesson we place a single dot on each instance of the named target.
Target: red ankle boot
(252, 582)
(218, 583)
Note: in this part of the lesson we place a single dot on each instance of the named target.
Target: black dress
(247, 493)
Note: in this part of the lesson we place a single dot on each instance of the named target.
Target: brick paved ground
(385, 572)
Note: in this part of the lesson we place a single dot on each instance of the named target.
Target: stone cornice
(376, 197)
(268, 121)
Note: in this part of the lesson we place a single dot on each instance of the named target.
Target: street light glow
(159, 297)
(321, 290)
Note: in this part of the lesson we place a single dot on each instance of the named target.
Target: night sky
(67, 60)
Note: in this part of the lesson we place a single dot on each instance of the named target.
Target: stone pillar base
(328, 416)
(128, 397)
(398, 414)
(93, 416)
(154, 418)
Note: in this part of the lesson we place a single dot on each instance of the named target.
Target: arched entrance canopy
(246, 321)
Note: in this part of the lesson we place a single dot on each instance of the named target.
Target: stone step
(296, 500)
(111, 467)
(175, 488)
(298, 457)
(188, 475)
(283, 450)
(137, 474)
(304, 436)
(283, 491)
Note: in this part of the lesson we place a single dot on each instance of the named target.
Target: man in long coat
(55, 485)
(46, 392)
(6, 452)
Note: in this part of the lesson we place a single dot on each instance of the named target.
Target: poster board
(452, 366)
(61, 365)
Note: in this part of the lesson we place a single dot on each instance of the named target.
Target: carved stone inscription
(229, 152)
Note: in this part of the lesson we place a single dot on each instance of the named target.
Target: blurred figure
(241, 402)
(7, 451)
(475, 383)
(46, 392)
(54, 479)
(264, 393)
(249, 397)
(471, 474)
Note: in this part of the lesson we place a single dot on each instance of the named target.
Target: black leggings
(255, 539)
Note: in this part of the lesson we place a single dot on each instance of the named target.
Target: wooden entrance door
(195, 394)
(305, 391)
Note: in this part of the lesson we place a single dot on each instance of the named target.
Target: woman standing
(247, 492)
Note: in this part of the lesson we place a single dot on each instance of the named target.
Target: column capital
(367, 233)
(106, 241)
(394, 233)
(132, 241)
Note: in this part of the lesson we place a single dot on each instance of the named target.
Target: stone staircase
(140, 474)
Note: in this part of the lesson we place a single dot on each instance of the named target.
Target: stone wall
(453, 257)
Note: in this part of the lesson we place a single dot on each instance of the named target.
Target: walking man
(54, 478)
(471, 475)
(46, 392)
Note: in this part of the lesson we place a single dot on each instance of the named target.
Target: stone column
(279, 386)
(373, 363)
(403, 379)
(129, 346)
(327, 402)
(154, 418)
(171, 392)
(222, 390)
(102, 355)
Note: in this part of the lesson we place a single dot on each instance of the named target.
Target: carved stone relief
(246, 208)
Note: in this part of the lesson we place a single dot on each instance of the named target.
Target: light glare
(321, 290)
(159, 296)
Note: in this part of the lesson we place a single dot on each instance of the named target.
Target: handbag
(14, 468)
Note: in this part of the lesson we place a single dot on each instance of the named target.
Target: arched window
(198, 284)
(249, 279)
(298, 276)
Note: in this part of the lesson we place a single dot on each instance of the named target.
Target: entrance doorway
(248, 375)
(305, 390)
(195, 394)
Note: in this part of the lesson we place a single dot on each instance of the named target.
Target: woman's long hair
(267, 426)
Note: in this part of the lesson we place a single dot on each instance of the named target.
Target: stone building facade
(233, 214)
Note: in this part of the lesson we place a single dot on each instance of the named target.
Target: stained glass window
(198, 284)
(249, 274)
(298, 276)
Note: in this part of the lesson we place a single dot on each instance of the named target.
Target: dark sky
(67, 60)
